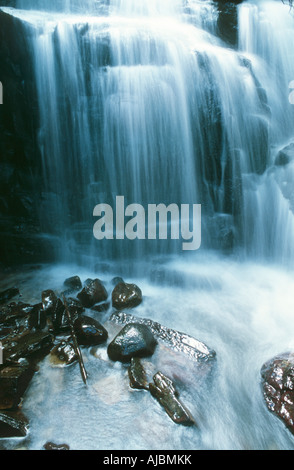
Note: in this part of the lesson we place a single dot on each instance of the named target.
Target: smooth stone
(93, 293)
(89, 332)
(176, 340)
(73, 283)
(126, 296)
(52, 446)
(134, 340)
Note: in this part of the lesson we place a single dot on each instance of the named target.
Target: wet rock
(93, 293)
(126, 296)
(175, 340)
(37, 317)
(137, 374)
(8, 294)
(278, 387)
(49, 300)
(52, 446)
(14, 380)
(73, 283)
(164, 391)
(89, 332)
(15, 311)
(134, 340)
(75, 307)
(63, 354)
(13, 424)
(285, 156)
(26, 345)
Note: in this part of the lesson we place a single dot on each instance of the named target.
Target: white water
(140, 117)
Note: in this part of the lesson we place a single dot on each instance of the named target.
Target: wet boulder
(176, 340)
(73, 283)
(134, 340)
(89, 332)
(93, 293)
(49, 301)
(126, 296)
(13, 424)
(14, 380)
(278, 387)
(165, 393)
(102, 307)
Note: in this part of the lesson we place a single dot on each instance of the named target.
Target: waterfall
(165, 102)
(145, 100)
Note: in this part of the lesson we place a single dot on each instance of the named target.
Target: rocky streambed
(89, 317)
(187, 356)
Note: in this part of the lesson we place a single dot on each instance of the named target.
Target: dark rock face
(93, 293)
(278, 387)
(126, 296)
(164, 391)
(89, 331)
(20, 166)
(176, 340)
(134, 340)
(13, 424)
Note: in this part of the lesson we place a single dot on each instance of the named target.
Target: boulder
(89, 332)
(73, 283)
(93, 293)
(126, 296)
(134, 340)
(278, 387)
(179, 342)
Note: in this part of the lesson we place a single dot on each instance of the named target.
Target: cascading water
(144, 99)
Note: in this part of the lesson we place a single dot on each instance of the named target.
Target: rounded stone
(134, 340)
(126, 296)
(89, 331)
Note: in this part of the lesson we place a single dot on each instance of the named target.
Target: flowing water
(144, 99)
